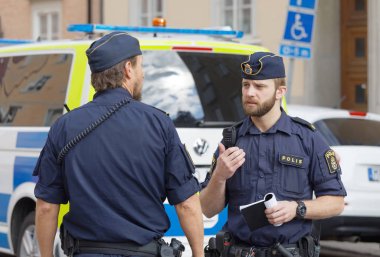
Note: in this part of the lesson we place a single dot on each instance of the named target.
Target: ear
(280, 92)
(128, 70)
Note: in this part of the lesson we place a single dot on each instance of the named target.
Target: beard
(260, 109)
(137, 91)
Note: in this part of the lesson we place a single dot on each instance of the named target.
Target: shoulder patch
(331, 161)
(303, 122)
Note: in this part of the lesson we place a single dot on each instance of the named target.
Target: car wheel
(27, 245)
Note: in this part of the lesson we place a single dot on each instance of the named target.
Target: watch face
(301, 209)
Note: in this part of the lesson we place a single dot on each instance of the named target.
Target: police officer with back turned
(275, 153)
(116, 160)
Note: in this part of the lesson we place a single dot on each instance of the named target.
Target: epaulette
(237, 124)
(303, 122)
(166, 113)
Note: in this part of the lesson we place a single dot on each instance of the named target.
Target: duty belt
(151, 249)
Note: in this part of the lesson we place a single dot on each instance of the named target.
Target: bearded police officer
(275, 153)
(116, 160)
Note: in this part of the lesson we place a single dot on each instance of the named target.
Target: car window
(33, 88)
(345, 131)
(194, 88)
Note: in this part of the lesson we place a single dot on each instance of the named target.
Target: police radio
(229, 136)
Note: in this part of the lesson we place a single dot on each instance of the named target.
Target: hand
(228, 162)
(284, 211)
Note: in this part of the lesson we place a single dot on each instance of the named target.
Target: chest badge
(293, 160)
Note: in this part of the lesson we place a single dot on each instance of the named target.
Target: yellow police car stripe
(77, 78)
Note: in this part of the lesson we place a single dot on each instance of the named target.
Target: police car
(355, 136)
(197, 81)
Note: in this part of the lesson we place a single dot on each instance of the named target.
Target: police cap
(112, 49)
(263, 65)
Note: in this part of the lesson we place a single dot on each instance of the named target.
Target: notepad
(254, 213)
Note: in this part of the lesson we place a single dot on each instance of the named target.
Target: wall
(76, 11)
(373, 56)
(322, 72)
(116, 12)
(14, 16)
(188, 14)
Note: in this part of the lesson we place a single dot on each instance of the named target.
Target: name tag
(291, 160)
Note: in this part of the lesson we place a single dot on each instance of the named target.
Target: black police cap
(111, 49)
(263, 65)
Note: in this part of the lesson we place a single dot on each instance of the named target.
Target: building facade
(345, 54)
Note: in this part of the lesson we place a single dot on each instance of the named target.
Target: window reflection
(169, 86)
(194, 87)
(33, 88)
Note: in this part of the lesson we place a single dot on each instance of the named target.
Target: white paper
(247, 205)
(271, 201)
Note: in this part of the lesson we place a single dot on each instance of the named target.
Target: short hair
(279, 82)
(112, 77)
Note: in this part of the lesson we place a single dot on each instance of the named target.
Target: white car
(355, 136)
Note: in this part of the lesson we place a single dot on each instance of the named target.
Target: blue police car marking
(31, 139)
(4, 241)
(4, 201)
(175, 227)
(22, 172)
(23, 168)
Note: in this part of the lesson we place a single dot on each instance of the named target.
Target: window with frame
(46, 20)
(238, 14)
(150, 9)
(48, 25)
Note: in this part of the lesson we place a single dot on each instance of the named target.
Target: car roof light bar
(14, 41)
(99, 28)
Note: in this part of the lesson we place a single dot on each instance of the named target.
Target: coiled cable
(90, 128)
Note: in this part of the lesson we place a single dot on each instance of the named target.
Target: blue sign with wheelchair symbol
(299, 27)
(308, 4)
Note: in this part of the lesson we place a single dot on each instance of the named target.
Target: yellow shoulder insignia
(331, 161)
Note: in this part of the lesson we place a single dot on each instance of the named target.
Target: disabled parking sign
(299, 27)
(298, 33)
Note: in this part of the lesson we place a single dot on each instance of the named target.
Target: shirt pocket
(293, 172)
(242, 179)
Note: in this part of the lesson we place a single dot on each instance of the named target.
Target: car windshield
(346, 131)
(196, 89)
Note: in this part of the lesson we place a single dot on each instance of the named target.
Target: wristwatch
(301, 210)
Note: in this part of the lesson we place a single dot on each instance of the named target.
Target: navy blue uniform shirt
(288, 160)
(117, 178)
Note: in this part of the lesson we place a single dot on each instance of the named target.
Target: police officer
(115, 160)
(273, 153)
